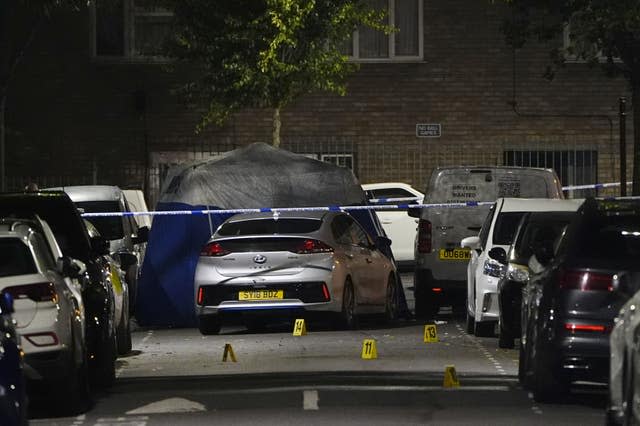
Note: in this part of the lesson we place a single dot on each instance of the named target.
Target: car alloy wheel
(349, 318)
(391, 301)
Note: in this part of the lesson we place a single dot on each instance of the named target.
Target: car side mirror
(126, 260)
(70, 267)
(498, 254)
(414, 212)
(142, 235)
(100, 245)
(472, 243)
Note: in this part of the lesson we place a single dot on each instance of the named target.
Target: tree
(598, 29)
(19, 24)
(264, 53)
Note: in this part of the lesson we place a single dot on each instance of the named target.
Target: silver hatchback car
(293, 261)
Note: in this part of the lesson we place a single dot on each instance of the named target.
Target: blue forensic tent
(256, 176)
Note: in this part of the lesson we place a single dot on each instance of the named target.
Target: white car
(483, 270)
(398, 226)
(49, 310)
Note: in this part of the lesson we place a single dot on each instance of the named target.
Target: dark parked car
(535, 228)
(13, 399)
(57, 209)
(569, 303)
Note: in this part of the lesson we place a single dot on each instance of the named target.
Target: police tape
(379, 204)
(291, 209)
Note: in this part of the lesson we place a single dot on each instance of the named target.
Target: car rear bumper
(441, 291)
(582, 356)
(48, 366)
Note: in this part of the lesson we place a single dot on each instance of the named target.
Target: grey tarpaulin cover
(256, 176)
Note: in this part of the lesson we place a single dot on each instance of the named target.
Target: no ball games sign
(433, 130)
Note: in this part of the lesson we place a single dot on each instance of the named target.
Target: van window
(487, 185)
(110, 227)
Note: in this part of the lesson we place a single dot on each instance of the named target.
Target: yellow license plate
(261, 295)
(455, 254)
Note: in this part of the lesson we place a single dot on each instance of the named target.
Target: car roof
(57, 209)
(539, 204)
(81, 193)
(313, 214)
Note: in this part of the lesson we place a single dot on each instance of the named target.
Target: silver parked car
(294, 261)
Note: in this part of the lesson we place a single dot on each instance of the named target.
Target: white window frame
(129, 54)
(337, 159)
(391, 8)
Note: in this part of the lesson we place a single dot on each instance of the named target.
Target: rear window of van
(486, 186)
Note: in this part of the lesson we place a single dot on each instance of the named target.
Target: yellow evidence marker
(228, 353)
(450, 377)
(299, 328)
(430, 333)
(369, 349)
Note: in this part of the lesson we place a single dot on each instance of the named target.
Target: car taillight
(38, 292)
(585, 281)
(214, 249)
(573, 327)
(424, 236)
(313, 246)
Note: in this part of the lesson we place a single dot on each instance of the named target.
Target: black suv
(569, 304)
(57, 209)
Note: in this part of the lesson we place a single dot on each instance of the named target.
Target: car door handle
(369, 260)
(386, 222)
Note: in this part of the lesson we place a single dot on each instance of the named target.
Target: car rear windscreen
(15, 258)
(485, 185)
(110, 227)
(610, 237)
(269, 226)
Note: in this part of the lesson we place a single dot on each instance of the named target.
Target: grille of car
(307, 292)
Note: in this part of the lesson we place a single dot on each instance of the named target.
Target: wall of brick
(71, 116)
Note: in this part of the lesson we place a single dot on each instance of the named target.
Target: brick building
(90, 104)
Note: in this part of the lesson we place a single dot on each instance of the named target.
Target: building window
(404, 44)
(129, 29)
(574, 47)
(572, 167)
(342, 160)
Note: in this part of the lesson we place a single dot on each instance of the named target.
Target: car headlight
(518, 273)
(493, 268)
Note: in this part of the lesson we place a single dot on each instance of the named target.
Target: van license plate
(455, 254)
(261, 295)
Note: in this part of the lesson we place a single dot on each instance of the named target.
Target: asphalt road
(178, 377)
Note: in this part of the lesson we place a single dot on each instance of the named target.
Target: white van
(137, 203)
(441, 264)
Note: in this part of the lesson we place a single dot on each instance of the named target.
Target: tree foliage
(603, 32)
(264, 53)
